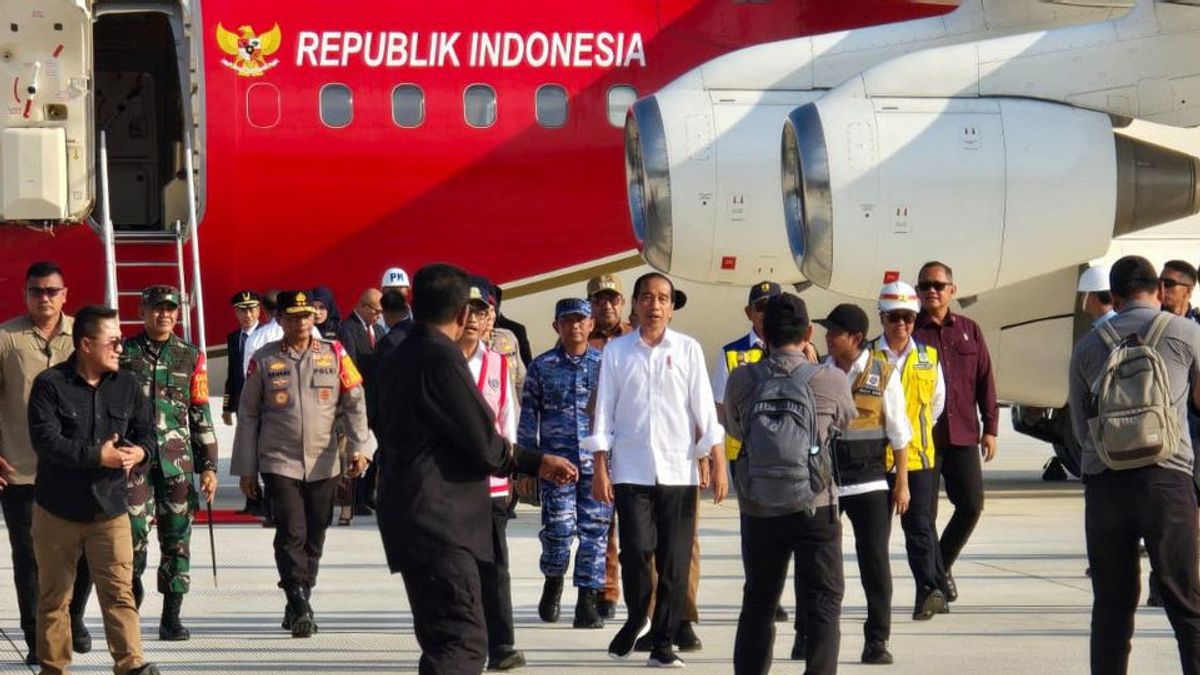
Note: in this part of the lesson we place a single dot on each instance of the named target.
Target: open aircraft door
(47, 155)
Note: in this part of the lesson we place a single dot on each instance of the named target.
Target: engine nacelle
(1001, 189)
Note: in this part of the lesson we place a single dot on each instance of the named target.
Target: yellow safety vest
(860, 450)
(918, 375)
(735, 358)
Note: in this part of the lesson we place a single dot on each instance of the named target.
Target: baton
(212, 542)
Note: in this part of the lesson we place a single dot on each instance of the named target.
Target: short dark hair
(936, 263)
(87, 322)
(1132, 275)
(785, 320)
(393, 302)
(1183, 267)
(645, 279)
(42, 269)
(270, 300)
(440, 291)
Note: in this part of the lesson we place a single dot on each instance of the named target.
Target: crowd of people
(425, 404)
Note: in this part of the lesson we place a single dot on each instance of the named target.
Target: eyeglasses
(613, 300)
(898, 317)
(479, 311)
(938, 286)
(1171, 283)
(48, 291)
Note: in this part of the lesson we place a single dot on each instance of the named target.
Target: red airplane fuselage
(291, 201)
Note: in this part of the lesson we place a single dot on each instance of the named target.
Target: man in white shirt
(861, 462)
(653, 400)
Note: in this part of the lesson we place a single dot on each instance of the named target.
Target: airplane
(300, 146)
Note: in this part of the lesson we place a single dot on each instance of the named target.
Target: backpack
(1132, 423)
(784, 462)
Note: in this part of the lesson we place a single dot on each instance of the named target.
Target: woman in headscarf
(328, 318)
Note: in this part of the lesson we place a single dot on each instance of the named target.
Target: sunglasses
(938, 286)
(1171, 283)
(898, 317)
(48, 291)
(112, 343)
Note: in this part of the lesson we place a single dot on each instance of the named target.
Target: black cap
(847, 317)
(785, 311)
(482, 291)
(245, 299)
(295, 302)
(763, 289)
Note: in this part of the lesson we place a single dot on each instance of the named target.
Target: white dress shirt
(508, 414)
(895, 419)
(654, 410)
(939, 391)
(720, 374)
(264, 334)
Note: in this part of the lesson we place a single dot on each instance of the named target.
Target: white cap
(1094, 279)
(898, 296)
(394, 277)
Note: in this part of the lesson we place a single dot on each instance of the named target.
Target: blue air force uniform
(556, 413)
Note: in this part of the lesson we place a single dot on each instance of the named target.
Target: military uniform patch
(280, 398)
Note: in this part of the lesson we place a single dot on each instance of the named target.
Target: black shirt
(439, 445)
(69, 420)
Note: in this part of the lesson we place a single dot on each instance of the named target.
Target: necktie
(371, 336)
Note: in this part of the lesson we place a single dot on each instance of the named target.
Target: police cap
(291, 303)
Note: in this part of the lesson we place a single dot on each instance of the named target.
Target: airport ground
(1024, 607)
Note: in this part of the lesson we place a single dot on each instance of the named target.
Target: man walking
(90, 425)
(174, 379)
(30, 344)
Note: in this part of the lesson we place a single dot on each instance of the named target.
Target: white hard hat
(1094, 279)
(394, 277)
(898, 296)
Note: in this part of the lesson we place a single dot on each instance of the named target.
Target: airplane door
(46, 153)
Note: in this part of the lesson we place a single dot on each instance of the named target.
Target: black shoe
(948, 588)
(664, 658)
(686, 638)
(145, 669)
(586, 615)
(169, 628)
(31, 658)
(876, 652)
(302, 625)
(81, 639)
(139, 592)
(606, 609)
(1053, 470)
(505, 658)
(643, 645)
(622, 645)
(549, 605)
(930, 601)
(781, 615)
(799, 648)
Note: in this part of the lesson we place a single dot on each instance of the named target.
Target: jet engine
(1000, 189)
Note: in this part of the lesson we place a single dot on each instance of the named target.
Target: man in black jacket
(90, 425)
(440, 445)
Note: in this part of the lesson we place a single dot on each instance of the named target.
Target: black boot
(302, 623)
(607, 609)
(81, 638)
(139, 592)
(169, 628)
(586, 615)
(549, 607)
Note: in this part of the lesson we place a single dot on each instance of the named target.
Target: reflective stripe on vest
(493, 375)
(735, 358)
(918, 376)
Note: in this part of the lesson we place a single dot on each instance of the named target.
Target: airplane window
(337, 105)
(479, 103)
(552, 106)
(408, 106)
(262, 105)
(620, 97)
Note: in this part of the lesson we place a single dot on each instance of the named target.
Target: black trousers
(17, 503)
(302, 511)
(656, 523)
(1159, 506)
(446, 601)
(496, 584)
(961, 468)
(767, 546)
(920, 528)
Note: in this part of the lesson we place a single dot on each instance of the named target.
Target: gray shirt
(1180, 351)
(835, 407)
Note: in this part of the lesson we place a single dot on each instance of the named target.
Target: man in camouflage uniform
(174, 378)
(555, 415)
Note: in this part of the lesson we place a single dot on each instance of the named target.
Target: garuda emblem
(249, 51)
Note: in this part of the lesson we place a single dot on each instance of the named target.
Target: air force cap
(569, 306)
(481, 291)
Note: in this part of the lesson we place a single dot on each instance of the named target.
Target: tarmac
(1024, 603)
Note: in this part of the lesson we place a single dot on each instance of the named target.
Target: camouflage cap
(604, 282)
(159, 294)
(295, 302)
